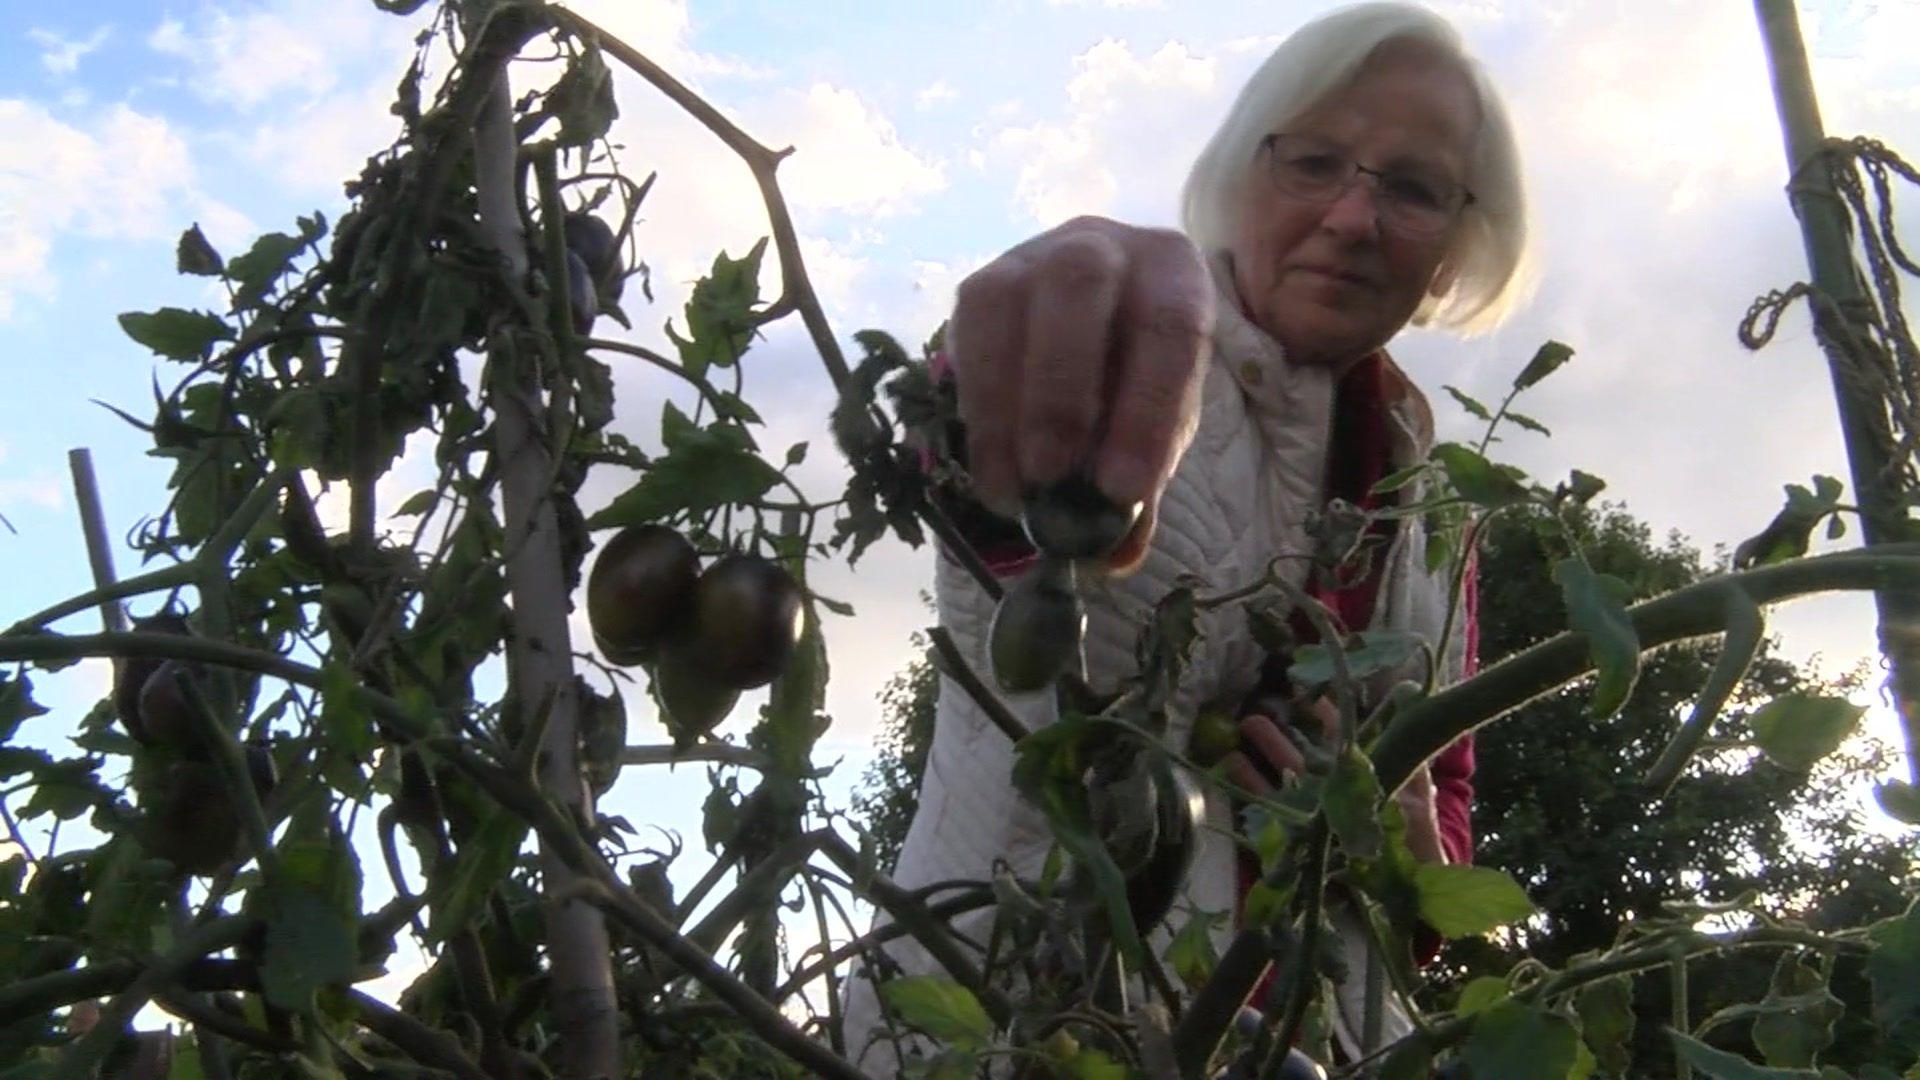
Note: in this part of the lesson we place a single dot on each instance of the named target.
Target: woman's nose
(1354, 212)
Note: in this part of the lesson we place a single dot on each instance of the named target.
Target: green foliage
(1462, 901)
(1798, 730)
(1596, 608)
(1524, 1043)
(941, 1008)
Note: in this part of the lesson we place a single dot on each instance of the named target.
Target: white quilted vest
(1240, 495)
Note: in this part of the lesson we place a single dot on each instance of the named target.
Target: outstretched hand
(1078, 353)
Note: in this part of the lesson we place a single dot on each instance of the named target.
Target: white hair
(1488, 262)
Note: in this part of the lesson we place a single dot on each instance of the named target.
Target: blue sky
(929, 138)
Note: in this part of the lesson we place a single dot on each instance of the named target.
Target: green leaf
(1476, 479)
(66, 789)
(939, 1007)
(1583, 486)
(1372, 652)
(1606, 1016)
(312, 909)
(1482, 994)
(1473, 407)
(1516, 1042)
(1798, 1014)
(1462, 901)
(1898, 799)
(1894, 970)
(254, 273)
(1091, 1064)
(309, 945)
(16, 704)
(796, 454)
(176, 333)
(484, 861)
(418, 503)
(1529, 423)
(1411, 1059)
(1798, 730)
(1596, 608)
(1351, 798)
(1720, 1065)
(719, 312)
(1394, 481)
(1545, 362)
(1790, 532)
(583, 100)
(1191, 954)
(1049, 769)
(707, 468)
(193, 255)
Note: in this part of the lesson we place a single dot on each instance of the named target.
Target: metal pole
(1826, 234)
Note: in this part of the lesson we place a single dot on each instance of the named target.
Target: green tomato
(1036, 630)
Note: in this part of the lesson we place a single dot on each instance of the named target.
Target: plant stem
(1425, 727)
(796, 289)
(951, 663)
(539, 654)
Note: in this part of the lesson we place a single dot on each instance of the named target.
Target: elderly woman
(1229, 380)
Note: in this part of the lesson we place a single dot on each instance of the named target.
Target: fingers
(1324, 714)
(1246, 775)
(1261, 736)
(1079, 352)
(1166, 318)
(985, 339)
(1075, 295)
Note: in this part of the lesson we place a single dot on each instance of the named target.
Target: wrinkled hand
(1268, 752)
(1079, 353)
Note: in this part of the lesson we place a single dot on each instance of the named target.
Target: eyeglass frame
(1268, 148)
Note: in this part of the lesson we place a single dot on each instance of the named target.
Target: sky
(927, 139)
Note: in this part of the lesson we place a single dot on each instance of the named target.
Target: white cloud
(119, 175)
(61, 56)
(292, 49)
(1123, 145)
(662, 30)
(848, 155)
(934, 93)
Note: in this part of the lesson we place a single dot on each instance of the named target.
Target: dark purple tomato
(640, 592)
(748, 615)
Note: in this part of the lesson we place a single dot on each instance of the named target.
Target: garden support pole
(1826, 234)
(540, 652)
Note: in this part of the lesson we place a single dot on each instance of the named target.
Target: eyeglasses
(1412, 200)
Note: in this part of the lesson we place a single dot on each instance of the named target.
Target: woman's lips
(1336, 276)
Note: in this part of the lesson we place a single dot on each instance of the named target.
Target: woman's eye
(1322, 166)
(1414, 191)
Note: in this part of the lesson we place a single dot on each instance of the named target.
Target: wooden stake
(1826, 234)
(94, 523)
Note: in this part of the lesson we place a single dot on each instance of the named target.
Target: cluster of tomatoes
(189, 816)
(704, 635)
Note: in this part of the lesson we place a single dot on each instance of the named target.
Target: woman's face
(1325, 278)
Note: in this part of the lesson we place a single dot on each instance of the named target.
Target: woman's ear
(1444, 276)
